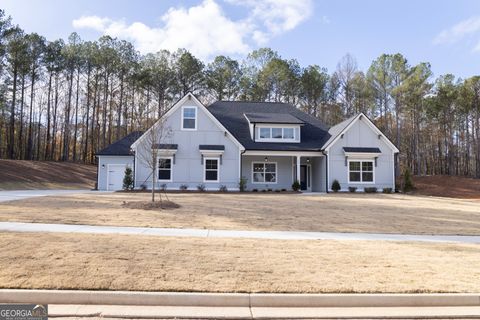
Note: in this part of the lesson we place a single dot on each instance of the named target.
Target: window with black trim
(165, 169)
(264, 172)
(211, 169)
(360, 171)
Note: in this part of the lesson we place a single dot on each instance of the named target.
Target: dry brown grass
(112, 262)
(332, 212)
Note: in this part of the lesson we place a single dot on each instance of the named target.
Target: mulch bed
(149, 205)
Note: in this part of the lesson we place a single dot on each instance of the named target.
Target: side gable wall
(361, 135)
(188, 168)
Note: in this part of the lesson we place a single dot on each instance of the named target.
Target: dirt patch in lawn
(448, 186)
(149, 205)
(23, 174)
(112, 262)
(379, 213)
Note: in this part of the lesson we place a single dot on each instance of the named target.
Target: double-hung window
(165, 169)
(189, 118)
(360, 171)
(211, 169)
(264, 172)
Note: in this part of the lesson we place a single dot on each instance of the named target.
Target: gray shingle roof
(121, 147)
(165, 146)
(211, 147)
(231, 114)
(362, 149)
(337, 129)
(284, 118)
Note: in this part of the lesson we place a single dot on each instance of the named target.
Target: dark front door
(303, 177)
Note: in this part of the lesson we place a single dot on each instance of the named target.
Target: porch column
(298, 168)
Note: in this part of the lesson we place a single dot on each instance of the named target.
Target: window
(165, 169)
(360, 171)
(276, 134)
(211, 170)
(264, 172)
(288, 133)
(189, 118)
(264, 133)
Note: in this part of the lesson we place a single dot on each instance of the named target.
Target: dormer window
(278, 134)
(189, 118)
(274, 127)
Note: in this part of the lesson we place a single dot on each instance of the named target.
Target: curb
(258, 300)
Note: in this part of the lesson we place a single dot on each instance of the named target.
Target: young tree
(148, 150)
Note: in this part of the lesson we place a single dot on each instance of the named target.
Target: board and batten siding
(360, 134)
(187, 168)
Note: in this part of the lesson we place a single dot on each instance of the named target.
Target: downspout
(241, 165)
(98, 163)
(134, 169)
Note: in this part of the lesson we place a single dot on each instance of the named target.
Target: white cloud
(466, 28)
(205, 30)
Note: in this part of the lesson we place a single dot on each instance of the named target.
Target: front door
(304, 177)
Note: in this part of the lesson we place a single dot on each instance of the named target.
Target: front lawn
(113, 262)
(332, 212)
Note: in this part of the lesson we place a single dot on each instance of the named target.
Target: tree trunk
(11, 143)
(48, 137)
(30, 117)
(76, 117)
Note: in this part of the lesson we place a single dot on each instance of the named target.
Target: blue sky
(444, 33)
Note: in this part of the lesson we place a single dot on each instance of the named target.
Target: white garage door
(116, 172)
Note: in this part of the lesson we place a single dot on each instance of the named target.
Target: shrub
(370, 190)
(223, 188)
(336, 186)
(242, 185)
(201, 187)
(184, 187)
(407, 181)
(269, 190)
(128, 179)
(352, 189)
(264, 190)
(284, 190)
(296, 185)
(143, 187)
(277, 190)
(254, 190)
(387, 190)
(163, 187)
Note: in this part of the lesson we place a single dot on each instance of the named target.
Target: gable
(359, 131)
(205, 120)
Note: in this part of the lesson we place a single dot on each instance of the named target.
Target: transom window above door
(360, 171)
(189, 118)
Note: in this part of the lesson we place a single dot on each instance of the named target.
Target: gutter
(326, 171)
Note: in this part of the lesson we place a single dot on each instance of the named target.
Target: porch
(278, 170)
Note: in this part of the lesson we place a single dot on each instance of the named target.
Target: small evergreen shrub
(254, 190)
(269, 190)
(407, 181)
(201, 187)
(296, 185)
(242, 184)
(336, 186)
(352, 189)
(223, 188)
(264, 190)
(277, 190)
(370, 190)
(184, 187)
(163, 187)
(387, 190)
(284, 190)
(143, 187)
(128, 179)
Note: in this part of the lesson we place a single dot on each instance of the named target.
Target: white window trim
(171, 169)
(205, 169)
(361, 160)
(265, 182)
(196, 118)
(295, 138)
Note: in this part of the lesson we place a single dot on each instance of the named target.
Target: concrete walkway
(23, 194)
(205, 233)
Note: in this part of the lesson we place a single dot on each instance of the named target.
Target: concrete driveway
(23, 194)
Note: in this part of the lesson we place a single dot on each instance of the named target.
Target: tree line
(64, 100)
